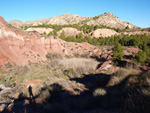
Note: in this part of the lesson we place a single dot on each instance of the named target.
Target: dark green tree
(62, 36)
(127, 27)
(44, 33)
(146, 49)
(118, 52)
(95, 27)
(141, 57)
(50, 33)
(79, 36)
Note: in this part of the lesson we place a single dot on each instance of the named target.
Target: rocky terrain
(107, 19)
(20, 47)
(70, 77)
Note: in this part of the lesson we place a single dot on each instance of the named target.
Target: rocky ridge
(106, 19)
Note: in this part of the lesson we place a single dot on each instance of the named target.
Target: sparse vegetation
(58, 74)
(84, 27)
(79, 82)
(96, 17)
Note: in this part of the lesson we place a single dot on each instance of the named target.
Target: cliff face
(19, 47)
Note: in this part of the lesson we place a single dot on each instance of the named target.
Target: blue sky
(134, 11)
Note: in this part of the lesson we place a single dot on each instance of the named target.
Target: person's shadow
(32, 99)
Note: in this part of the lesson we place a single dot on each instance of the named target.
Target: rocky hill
(106, 19)
(21, 48)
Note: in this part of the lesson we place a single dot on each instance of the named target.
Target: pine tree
(118, 52)
(44, 33)
(62, 36)
(141, 56)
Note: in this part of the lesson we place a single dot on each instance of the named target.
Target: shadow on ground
(124, 97)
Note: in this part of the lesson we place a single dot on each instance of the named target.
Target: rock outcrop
(19, 47)
(109, 19)
(69, 31)
(67, 19)
(41, 30)
(104, 33)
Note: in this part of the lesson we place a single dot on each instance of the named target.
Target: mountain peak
(109, 14)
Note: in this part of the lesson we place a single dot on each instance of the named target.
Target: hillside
(107, 19)
(21, 48)
(68, 71)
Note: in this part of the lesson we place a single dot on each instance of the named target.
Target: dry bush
(119, 76)
(142, 80)
(53, 65)
(69, 73)
(21, 70)
(99, 92)
(44, 95)
(145, 79)
(52, 56)
(79, 65)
